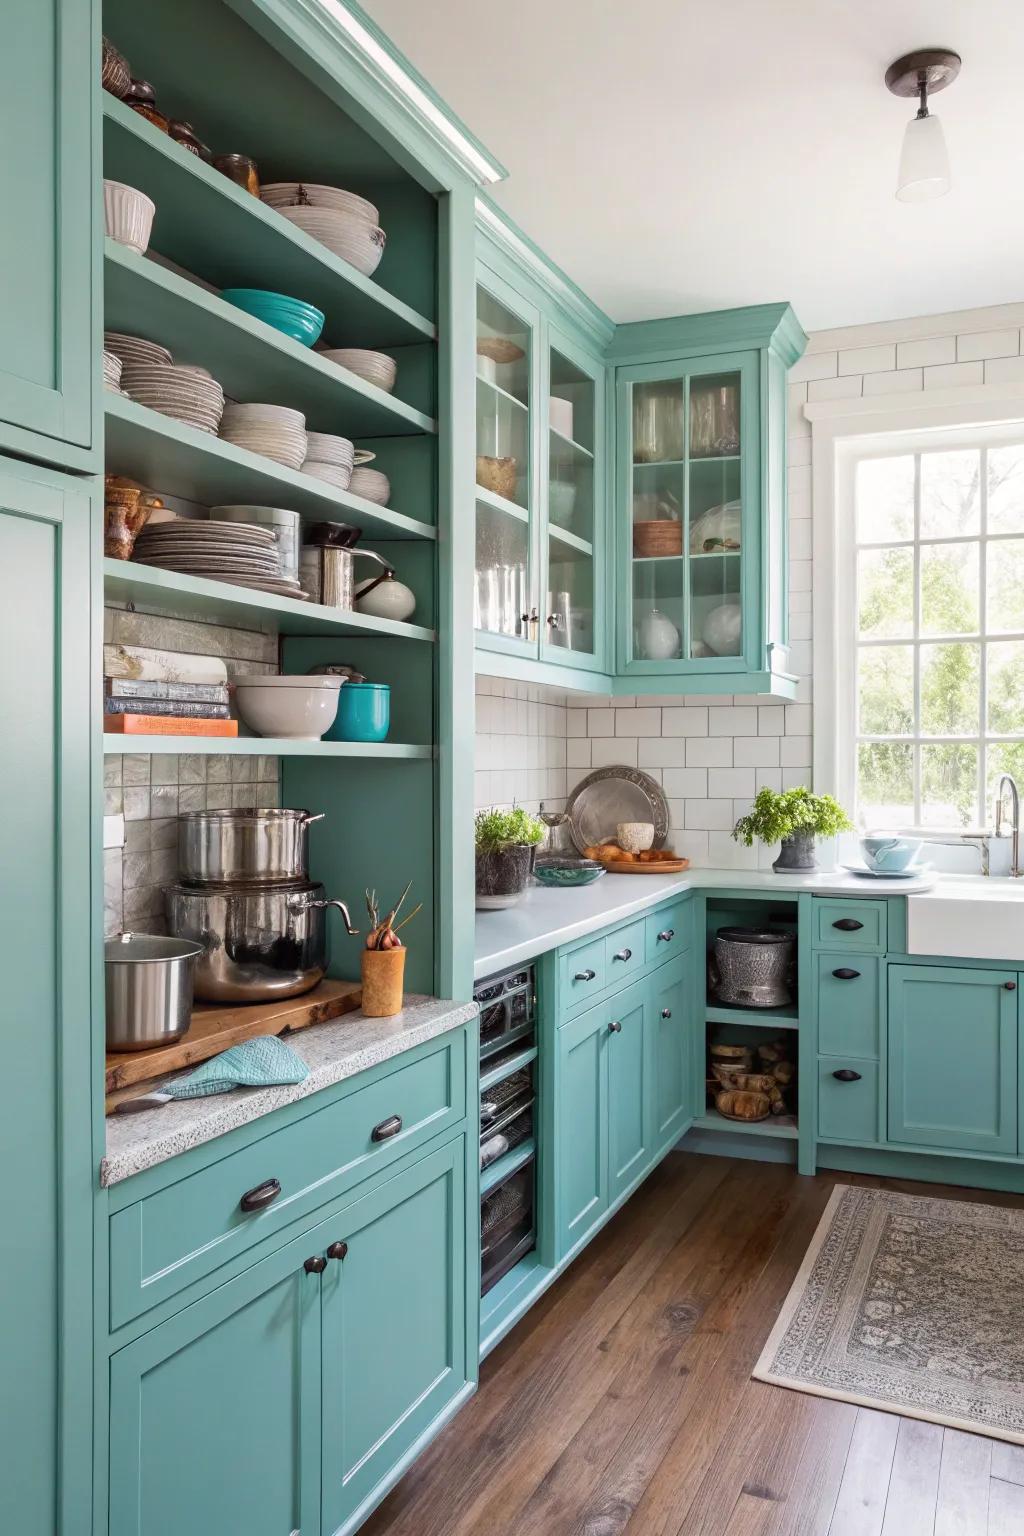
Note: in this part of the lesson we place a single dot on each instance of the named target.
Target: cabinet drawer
(625, 952)
(850, 924)
(666, 933)
(583, 974)
(847, 1107)
(180, 1234)
(849, 1010)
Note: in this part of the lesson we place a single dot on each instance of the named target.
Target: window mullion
(983, 627)
(916, 747)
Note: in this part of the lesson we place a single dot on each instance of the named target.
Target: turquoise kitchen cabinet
(953, 1058)
(49, 365)
(849, 1004)
(394, 1329)
(215, 1415)
(701, 555)
(582, 1120)
(848, 1099)
(47, 541)
(671, 1053)
(629, 1068)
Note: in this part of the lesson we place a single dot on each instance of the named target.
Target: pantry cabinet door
(394, 1329)
(215, 1415)
(49, 68)
(581, 1126)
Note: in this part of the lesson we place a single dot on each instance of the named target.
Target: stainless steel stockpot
(256, 847)
(259, 942)
(149, 982)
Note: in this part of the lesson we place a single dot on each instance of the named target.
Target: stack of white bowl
(273, 431)
(345, 223)
(329, 458)
(375, 367)
(112, 371)
(134, 349)
(371, 484)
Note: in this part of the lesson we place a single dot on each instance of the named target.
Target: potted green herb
(795, 818)
(506, 842)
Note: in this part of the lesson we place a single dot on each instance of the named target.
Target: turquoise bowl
(567, 872)
(364, 713)
(302, 322)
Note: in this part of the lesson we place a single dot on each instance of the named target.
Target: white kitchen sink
(970, 919)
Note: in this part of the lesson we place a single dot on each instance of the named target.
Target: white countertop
(547, 918)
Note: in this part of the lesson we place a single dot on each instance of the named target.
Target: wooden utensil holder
(383, 972)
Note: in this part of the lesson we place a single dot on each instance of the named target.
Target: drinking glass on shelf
(658, 422)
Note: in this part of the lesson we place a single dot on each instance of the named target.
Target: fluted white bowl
(127, 215)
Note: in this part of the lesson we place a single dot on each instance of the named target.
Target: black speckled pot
(502, 877)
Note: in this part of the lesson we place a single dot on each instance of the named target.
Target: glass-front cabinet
(540, 486)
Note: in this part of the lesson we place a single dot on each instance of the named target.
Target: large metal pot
(753, 967)
(257, 847)
(259, 942)
(149, 981)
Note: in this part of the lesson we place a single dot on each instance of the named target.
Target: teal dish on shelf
(567, 872)
(364, 713)
(301, 321)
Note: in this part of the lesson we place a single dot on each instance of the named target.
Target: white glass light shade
(924, 163)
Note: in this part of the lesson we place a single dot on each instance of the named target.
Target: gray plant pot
(501, 878)
(796, 854)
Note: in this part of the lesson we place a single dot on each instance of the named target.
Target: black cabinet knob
(666, 1013)
(587, 975)
(1011, 986)
(847, 924)
(623, 954)
(845, 974)
(316, 1265)
(846, 1075)
(665, 935)
(615, 1027)
(259, 1198)
(387, 1128)
(337, 1251)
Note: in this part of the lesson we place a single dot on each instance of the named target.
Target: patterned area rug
(911, 1305)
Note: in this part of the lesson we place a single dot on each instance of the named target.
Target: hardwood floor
(622, 1404)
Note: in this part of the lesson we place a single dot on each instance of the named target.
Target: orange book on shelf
(167, 725)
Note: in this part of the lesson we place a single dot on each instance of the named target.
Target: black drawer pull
(316, 1265)
(259, 1198)
(623, 954)
(846, 1075)
(666, 935)
(848, 924)
(615, 1027)
(666, 1013)
(387, 1128)
(845, 974)
(587, 975)
(337, 1251)
(1011, 986)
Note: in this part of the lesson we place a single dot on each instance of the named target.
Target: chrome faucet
(1014, 833)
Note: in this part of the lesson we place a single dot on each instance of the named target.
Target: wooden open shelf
(777, 1125)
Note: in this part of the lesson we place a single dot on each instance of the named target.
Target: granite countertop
(547, 917)
(332, 1051)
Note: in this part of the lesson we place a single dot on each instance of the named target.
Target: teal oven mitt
(261, 1063)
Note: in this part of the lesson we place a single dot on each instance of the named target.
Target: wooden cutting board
(216, 1026)
(663, 867)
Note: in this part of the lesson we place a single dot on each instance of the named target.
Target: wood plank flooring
(622, 1404)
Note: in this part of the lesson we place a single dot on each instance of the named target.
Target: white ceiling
(680, 155)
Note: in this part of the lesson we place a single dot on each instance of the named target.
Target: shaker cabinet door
(953, 1058)
(48, 74)
(671, 1054)
(582, 1126)
(629, 1090)
(394, 1327)
(215, 1415)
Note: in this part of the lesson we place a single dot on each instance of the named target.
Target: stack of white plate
(329, 458)
(347, 234)
(186, 393)
(135, 349)
(375, 367)
(112, 371)
(371, 484)
(274, 431)
(241, 553)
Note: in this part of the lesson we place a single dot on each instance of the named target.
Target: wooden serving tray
(215, 1026)
(664, 867)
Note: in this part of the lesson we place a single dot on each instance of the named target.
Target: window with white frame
(931, 634)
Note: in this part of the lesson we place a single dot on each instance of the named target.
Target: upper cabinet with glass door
(573, 618)
(700, 501)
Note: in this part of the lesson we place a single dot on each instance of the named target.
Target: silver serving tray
(610, 795)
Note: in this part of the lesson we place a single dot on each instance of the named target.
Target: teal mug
(364, 713)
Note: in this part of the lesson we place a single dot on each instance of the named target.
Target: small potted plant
(796, 818)
(383, 959)
(506, 842)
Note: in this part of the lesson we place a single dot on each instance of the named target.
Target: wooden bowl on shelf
(660, 538)
(497, 475)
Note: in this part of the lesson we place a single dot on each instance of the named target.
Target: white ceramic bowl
(294, 708)
(291, 194)
(127, 215)
(375, 367)
(355, 241)
(635, 836)
(333, 474)
(371, 484)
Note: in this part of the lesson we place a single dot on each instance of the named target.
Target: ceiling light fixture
(924, 163)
